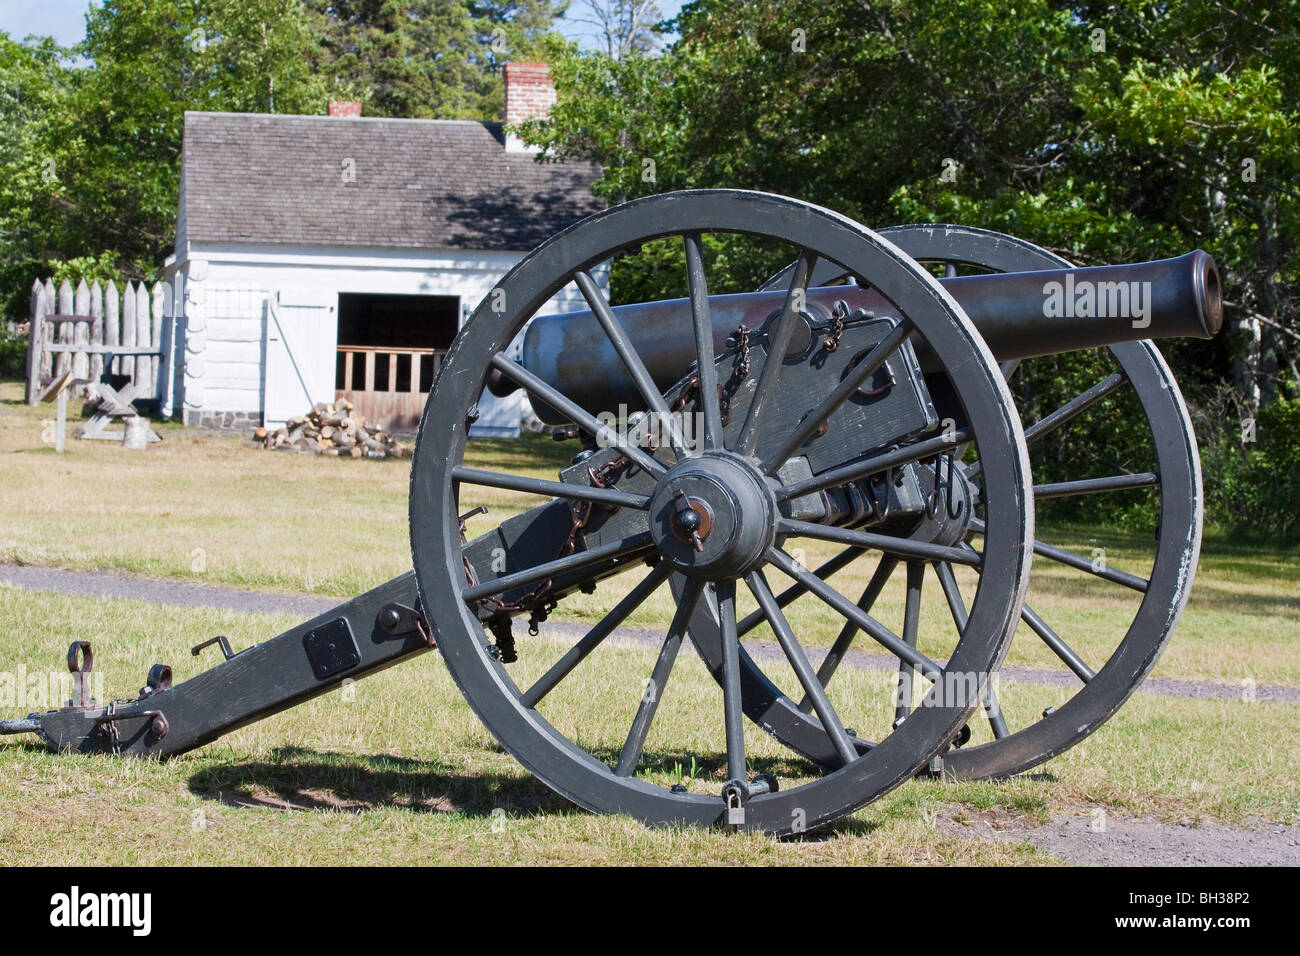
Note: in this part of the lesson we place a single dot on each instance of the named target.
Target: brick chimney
(348, 108)
(529, 95)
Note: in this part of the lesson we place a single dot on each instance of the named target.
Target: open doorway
(390, 347)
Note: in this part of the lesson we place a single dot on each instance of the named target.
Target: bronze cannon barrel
(1019, 314)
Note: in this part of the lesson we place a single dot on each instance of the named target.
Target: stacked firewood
(332, 429)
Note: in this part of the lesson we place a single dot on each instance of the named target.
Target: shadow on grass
(298, 778)
(1208, 597)
(25, 744)
(840, 829)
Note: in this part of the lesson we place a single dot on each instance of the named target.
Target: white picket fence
(81, 329)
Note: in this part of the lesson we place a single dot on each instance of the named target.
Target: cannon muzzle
(1026, 314)
(1019, 314)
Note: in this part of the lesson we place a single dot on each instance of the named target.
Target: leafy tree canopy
(1107, 132)
(90, 136)
(1111, 132)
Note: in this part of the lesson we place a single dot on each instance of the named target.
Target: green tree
(1106, 132)
(89, 163)
(90, 137)
(152, 61)
(256, 57)
(839, 104)
(35, 90)
(433, 59)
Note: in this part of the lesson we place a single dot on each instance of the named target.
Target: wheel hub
(713, 516)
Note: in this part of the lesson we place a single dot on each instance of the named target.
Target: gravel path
(1099, 839)
(115, 584)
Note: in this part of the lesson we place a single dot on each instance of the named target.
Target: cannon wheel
(514, 715)
(1100, 693)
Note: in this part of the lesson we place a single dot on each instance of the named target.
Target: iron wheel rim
(530, 738)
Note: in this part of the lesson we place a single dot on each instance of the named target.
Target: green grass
(406, 773)
(398, 768)
(210, 509)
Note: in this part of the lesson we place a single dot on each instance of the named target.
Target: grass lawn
(209, 509)
(398, 769)
(362, 774)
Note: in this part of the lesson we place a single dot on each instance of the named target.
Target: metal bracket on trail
(247, 686)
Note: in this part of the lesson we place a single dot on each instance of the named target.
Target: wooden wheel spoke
(555, 489)
(1075, 406)
(956, 607)
(796, 590)
(702, 321)
(1058, 646)
(802, 668)
(777, 346)
(1093, 486)
(580, 416)
(645, 714)
(1061, 556)
(993, 711)
(618, 337)
(844, 640)
(850, 611)
(876, 464)
(1040, 627)
(882, 542)
(592, 639)
(549, 569)
(732, 705)
(911, 623)
(1078, 561)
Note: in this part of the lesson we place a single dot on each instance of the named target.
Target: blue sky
(65, 20)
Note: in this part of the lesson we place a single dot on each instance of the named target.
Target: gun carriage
(884, 432)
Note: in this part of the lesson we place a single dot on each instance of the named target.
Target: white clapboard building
(333, 256)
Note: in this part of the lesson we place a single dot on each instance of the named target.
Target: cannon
(706, 471)
(1078, 308)
(1124, 659)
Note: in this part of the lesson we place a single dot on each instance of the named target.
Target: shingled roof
(386, 183)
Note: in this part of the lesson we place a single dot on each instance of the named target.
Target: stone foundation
(237, 421)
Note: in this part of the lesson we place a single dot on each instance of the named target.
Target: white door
(301, 344)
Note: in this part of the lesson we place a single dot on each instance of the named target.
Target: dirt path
(1096, 838)
(115, 584)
